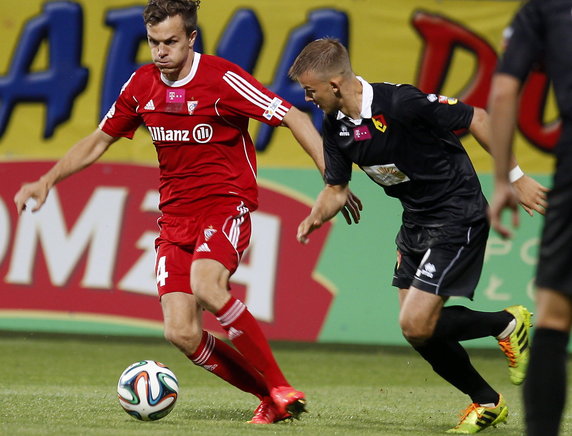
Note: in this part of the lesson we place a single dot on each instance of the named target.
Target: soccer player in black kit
(541, 34)
(403, 139)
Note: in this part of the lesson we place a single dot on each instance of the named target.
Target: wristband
(515, 174)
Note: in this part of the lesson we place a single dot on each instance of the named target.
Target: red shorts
(222, 233)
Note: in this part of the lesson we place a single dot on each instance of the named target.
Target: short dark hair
(326, 56)
(157, 11)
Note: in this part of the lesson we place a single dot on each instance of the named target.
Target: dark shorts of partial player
(221, 232)
(554, 270)
(445, 261)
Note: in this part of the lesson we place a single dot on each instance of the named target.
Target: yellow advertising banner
(64, 63)
(88, 256)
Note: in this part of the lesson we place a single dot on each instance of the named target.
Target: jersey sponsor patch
(175, 95)
(361, 133)
(386, 175)
(172, 135)
(271, 108)
(443, 99)
(174, 99)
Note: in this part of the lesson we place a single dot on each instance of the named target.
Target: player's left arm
(531, 194)
(308, 137)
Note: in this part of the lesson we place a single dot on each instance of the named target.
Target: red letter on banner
(441, 36)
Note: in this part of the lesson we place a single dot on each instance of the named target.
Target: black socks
(460, 323)
(450, 360)
(545, 385)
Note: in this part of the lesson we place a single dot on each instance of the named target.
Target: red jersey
(199, 126)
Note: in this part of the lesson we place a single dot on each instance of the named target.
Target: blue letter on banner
(62, 24)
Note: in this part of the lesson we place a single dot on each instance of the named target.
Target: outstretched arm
(308, 137)
(82, 154)
(530, 193)
(330, 201)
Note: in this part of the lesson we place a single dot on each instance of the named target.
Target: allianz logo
(202, 133)
(162, 134)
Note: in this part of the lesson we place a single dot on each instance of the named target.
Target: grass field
(66, 386)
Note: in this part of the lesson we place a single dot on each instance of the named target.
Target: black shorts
(554, 270)
(444, 261)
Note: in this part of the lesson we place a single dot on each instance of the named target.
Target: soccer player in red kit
(196, 108)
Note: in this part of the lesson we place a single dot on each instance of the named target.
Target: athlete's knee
(186, 339)
(415, 332)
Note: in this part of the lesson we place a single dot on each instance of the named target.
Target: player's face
(319, 91)
(171, 48)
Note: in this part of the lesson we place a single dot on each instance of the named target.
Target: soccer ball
(147, 390)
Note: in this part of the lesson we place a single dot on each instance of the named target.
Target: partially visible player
(404, 140)
(196, 108)
(541, 34)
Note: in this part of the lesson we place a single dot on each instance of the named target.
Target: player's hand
(306, 227)
(37, 191)
(352, 208)
(531, 195)
(504, 197)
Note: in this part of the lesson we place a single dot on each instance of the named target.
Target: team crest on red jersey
(209, 232)
(191, 106)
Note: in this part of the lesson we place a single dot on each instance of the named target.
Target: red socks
(247, 336)
(224, 361)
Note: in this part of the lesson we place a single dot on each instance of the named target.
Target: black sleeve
(411, 106)
(524, 42)
(338, 167)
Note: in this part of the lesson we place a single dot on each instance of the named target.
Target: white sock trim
(508, 330)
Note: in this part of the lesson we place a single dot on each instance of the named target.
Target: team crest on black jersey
(379, 122)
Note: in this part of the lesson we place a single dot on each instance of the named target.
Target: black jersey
(540, 33)
(405, 142)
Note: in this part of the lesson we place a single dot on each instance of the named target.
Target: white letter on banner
(141, 277)
(497, 247)
(4, 229)
(492, 287)
(98, 227)
(529, 251)
(259, 274)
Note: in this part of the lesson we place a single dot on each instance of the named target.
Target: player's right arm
(82, 154)
(329, 202)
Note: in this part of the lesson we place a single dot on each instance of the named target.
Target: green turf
(66, 386)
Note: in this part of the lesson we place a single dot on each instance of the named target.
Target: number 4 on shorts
(162, 273)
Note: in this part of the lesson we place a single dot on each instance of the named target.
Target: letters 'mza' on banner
(90, 250)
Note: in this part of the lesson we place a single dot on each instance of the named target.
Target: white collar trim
(188, 78)
(366, 100)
